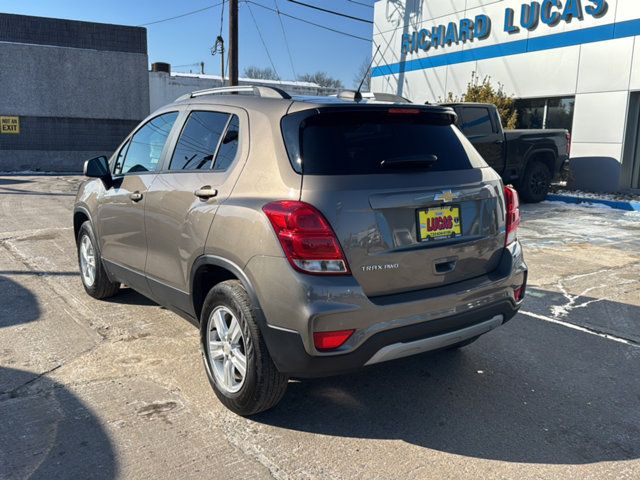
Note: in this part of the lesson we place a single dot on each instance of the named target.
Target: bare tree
(363, 72)
(321, 78)
(258, 73)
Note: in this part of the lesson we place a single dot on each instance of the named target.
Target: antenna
(367, 72)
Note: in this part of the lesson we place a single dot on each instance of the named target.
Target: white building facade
(166, 87)
(571, 64)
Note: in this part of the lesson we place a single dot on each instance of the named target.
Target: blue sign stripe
(629, 28)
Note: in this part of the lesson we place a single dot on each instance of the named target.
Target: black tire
(264, 386)
(462, 344)
(535, 183)
(102, 287)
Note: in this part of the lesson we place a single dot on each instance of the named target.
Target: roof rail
(257, 90)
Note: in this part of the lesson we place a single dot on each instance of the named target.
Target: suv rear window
(356, 142)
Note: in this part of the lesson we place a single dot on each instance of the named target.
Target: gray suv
(304, 236)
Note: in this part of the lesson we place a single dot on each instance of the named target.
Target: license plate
(439, 223)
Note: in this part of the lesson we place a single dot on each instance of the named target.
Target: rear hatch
(411, 201)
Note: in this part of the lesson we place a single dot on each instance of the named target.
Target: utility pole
(233, 42)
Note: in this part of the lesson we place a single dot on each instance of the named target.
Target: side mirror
(98, 167)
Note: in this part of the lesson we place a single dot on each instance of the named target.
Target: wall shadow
(12, 181)
(17, 191)
(18, 305)
(596, 174)
(529, 392)
(51, 435)
(39, 273)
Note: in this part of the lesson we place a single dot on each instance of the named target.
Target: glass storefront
(546, 112)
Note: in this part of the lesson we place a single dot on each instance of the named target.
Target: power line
(221, 18)
(332, 12)
(368, 40)
(286, 41)
(183, 14)
(264, 44)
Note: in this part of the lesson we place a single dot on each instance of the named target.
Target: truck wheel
(536, 182)
(239, 367)
(94, 277)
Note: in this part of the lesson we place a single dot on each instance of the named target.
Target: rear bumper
(386, 327)
(290, 356)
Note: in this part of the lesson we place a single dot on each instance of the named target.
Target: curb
(630, 206)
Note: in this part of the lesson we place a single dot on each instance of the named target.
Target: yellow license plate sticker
(439, 223)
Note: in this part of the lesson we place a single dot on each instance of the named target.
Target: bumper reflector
(518, 293)
(330, 340)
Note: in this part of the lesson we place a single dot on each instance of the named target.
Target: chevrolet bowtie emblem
(446, 196)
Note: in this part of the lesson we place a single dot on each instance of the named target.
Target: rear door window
(357, 142)
(476, 121)
(199, 141)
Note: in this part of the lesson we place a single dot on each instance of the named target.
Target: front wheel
(94, 277)
(239, 367)
(535, 183)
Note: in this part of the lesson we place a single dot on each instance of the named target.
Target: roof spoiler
(356, 96)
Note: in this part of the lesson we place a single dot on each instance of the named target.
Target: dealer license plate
(439, 223)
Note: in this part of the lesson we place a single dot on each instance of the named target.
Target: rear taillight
(512, 204)
(568, 144)
(331, 340)
(306, 238)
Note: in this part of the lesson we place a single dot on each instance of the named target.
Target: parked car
(303, 236)
(529, 159)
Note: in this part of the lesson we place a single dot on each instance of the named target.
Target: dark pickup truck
(528, 159)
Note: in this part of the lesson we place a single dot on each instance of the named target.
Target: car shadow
(128, 296)
(19, 304)
(530, 392)
(51, 435)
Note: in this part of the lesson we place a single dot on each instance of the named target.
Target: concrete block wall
(78, 87)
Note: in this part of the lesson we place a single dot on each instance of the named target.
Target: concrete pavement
(116, 389)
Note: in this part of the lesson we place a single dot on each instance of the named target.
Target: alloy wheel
(227, 353)
(87, 261)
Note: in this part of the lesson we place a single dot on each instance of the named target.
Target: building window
(545, 112)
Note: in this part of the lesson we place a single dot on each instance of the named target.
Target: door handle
(135, 196)
(206, 192)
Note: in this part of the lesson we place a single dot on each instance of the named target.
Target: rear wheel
(535, 183)
(94, 277)
(239, 367)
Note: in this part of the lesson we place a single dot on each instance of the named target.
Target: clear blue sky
(188, 40)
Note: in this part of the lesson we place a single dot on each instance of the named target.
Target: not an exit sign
(10, 125)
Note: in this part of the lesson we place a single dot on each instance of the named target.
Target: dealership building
(571, 64)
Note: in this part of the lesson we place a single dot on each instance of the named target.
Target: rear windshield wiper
(410, 161)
